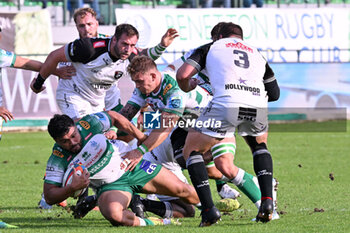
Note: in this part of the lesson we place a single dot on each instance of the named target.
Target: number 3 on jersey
(241, 59)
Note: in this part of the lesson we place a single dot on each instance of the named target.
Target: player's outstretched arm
(27, 64)
(125, 125)
(49, 67)
(157, 51)
(169, 37)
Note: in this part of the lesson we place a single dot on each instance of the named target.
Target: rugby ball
(68, 177)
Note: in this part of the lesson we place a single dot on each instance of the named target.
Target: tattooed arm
(129, 111)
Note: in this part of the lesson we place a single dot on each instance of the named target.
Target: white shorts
(246, 119)
(73, 104)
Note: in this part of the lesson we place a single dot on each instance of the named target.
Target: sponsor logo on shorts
(247, 114)
(148, 167)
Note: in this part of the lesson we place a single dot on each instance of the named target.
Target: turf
(313, 194)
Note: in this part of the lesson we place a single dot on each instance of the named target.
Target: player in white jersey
(235, 69)
(83, 142)
(99, 63)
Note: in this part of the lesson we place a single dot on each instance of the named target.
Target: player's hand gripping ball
(68, 178)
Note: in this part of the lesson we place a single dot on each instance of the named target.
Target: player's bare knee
(114, 215)
(223, 155)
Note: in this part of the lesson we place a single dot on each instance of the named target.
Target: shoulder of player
(59, 153)
(87, 49)
(169, 85)
(90, 120)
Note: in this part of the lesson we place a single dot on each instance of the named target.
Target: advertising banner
(320, 34)
(28, 34)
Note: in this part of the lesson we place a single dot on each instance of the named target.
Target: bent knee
(114, 216)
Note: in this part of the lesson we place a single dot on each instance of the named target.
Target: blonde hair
(82, 12)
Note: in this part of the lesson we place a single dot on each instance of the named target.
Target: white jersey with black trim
(96, 70)
(236, 71)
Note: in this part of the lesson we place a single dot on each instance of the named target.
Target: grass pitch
(313, 194)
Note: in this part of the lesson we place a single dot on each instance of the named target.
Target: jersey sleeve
(137, 99)
(85, 50)
(104, 119)
(269, 75)
(56, 167)
(7, 59)
(199, 57)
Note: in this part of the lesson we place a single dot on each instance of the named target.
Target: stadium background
(306, 43)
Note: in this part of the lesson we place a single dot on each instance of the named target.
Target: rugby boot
(84, 206)
(210, 216)
(265, 211)
(137, 207)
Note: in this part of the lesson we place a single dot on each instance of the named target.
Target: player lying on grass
(167, 206)
(85, 143)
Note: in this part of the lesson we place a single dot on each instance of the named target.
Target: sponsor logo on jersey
(84, 124)
(118, 74)
(58, 153)
(253, 90)
(239, 45)
(167, 88)
(87, 137)
(100, 116)
(99, 44)
(49, 168)
(98, 165)
(101, 86)
(175, 102)
(86, 155)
